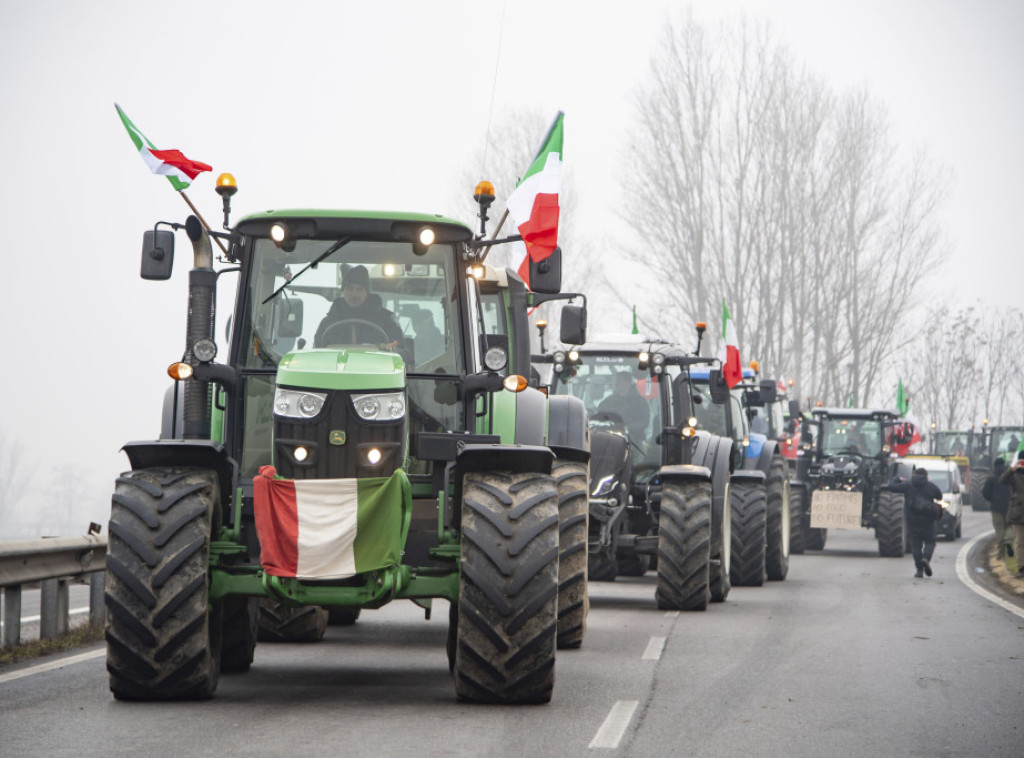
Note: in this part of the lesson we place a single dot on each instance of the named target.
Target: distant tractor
(984, 447)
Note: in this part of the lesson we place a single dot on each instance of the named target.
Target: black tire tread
(778, 527)
(684, 546)
(890, 531)
(749, 534)
(572, 479)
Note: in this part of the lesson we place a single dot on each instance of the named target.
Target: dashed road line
(614, 725)
(654, 649)
(966, 578)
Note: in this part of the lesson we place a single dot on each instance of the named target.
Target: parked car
(945, 473)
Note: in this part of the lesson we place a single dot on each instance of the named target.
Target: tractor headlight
(293, 404)
(204, 350)
(384, 407)
(495, 359)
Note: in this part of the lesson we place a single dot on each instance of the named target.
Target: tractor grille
(337, 441)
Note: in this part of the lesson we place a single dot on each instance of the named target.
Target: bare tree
(15, 474)
(755, 184)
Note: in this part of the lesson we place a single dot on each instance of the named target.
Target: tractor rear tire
(241, 619)
(978, 477)
(280, 622)
(749, 534)
(163, 635)
(572, 478)
(778, 528)
(891, 529)
(799, 506)
(508, 588)
(721, 554)
(684, 546)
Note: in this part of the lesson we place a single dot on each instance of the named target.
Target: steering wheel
(335, 333)
(608, 416)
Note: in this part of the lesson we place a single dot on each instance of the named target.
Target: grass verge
(78, 637)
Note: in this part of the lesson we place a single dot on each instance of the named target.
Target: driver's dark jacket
(371, 310)
(631, 407)
(920, 494)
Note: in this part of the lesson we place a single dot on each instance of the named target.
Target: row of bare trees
(964, 367)
(752, 182)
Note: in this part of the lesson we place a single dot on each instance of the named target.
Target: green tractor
(344, 455)
(983, 448)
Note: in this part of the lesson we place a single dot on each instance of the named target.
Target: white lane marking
(34, 619)
(614, 725)
(966, 578)
(671, 614)
(49, 666)
(654, 648)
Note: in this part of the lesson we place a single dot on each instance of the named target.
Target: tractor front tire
(721, 554)
(163, 635)
(508, 588)
(749, 534)
(280, 622)
(684, 546)
(891, 529)
(800, 504)
(778, 526)
(571, 479)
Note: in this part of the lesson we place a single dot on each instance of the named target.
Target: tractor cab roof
(386, 226)
(631, 344)
(855, 413)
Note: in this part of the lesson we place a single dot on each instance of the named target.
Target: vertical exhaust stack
(202, 307)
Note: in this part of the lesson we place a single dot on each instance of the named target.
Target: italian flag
(533, 205)
(330, 528)
(179, 170)
(732, 372)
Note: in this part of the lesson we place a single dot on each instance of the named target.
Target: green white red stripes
(732, 372)
(534, 206)
(179, 170)
(329, 528)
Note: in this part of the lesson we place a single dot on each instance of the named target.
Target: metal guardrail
(53, 562)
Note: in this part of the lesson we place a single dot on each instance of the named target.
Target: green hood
(342, 370)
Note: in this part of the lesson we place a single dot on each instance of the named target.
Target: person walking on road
(920, 496)
(998, 496)
(1013, 477)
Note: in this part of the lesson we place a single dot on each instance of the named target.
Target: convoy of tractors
(376, 426)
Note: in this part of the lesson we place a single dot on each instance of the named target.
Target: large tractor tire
(684, 546)
(749, 534)
(602, 567)
(778, 527)
(891, 529)
(721, 554)
(978, 477)
(507, 613)
(800, 504)
(280, 622)
(163, 634)
(815, 539)
(238, 643)
(571, 478)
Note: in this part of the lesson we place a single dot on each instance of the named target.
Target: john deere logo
(337, 438)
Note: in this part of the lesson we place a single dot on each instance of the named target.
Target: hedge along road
(849, 656)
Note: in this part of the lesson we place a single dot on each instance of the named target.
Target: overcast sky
(378, 105)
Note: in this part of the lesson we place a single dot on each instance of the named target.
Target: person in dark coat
(920, 496)
(998, 496)
(358, 304)
(627, 403)
(1013, 477)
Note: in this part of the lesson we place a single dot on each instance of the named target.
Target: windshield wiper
(332, 249)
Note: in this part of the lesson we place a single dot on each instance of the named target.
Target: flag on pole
(635, 329)
(902, 402)
(329, 528)
(732, 372)
(533, 205)
(179, 170)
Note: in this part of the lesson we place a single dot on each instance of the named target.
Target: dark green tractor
(329, 461)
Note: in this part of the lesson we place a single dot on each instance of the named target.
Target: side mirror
(794, 408)
(157, 254)
(767, 391)
(719, 389)
(289, 318)
(546, 275)
(573, 330)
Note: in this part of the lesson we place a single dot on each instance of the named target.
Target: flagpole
(202, 221)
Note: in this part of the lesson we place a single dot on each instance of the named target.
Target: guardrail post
(53, 608)
(12, 616)
(97, 609)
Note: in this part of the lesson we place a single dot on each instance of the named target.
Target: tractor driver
(627, 403)
(359, 315)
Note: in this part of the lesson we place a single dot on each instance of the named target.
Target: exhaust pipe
(202, 308)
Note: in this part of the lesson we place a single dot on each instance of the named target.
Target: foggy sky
(379, 105)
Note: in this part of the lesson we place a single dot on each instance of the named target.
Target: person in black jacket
(998, 496)
(920, 496)
(360, 315)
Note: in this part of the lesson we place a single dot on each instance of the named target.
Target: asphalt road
(850, 656)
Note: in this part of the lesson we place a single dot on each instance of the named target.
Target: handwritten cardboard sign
(831, 509)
